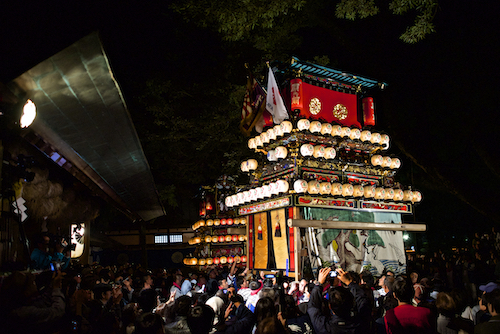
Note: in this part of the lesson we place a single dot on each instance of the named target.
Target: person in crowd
(264, 308)
(200, 319)
(492, 325)
(341, 301)
(255, 287)
(446, 308)
(105, 309)
(149, 323)
(407, 318)
(42, 258)
(243, 287)
(238, 318)
(292, 319)
(181, 309)
(270, 325)
(186, 287)
(217, 303)
(176, 286)
(147, 297)
(212, 285)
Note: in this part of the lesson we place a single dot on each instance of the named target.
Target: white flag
(274, 102)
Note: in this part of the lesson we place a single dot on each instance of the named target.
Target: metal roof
(81, 112)
(329, 73)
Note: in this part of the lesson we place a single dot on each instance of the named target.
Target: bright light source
(406, 237)
(29, 114)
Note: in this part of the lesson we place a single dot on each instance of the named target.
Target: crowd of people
(447, 293)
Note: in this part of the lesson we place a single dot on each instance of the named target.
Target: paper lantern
(365, 135)
(215, 239)
(336, 130)
(395, 163)
(228, 201)
(253, 195)
(313, 187)
(315, 127)
(216, 222)
(246, 196)
(300, 186)
(260, 193)
(194, 261)
(358, 191)
(398, 194)
(271, 134)
(264, 137)
(319, 151)
(282, 186)
(185, 261)
(417, 196)
(369, 192)
(278, 131)
(197, 240)
(223, 221)
(237, 259)
(251, 144)
(216, 260)
(221, 238)
(230, 260)
(239, 198)
(325, 188)
(375, 138)
(330, 153)
(326, 129)
(386, 162)
(236, 221)
(303, 124)
(202, 262)
(228, 238)
(201, 223)
(235, 238)
(347, 190)
(281, 152)
(258, 142)
(389, 194)
(243, 258)
(229, 221)
(271, 155)
(243, 221)
(287, 127)
(266, 190)
(379, 193)
(336, 189)
(307, 150)
(384, 139)
(345, 131)
(208, 239)
(376, 160)
(244, 167)
(241, 237)
(252, 164)
(210, 261)
(355, 134)
(273, 187)
(407, 195)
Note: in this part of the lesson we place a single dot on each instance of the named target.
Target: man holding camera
(349, 306)
(41, 257)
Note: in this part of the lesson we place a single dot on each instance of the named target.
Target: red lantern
(221, 238)
(216, 260)
(235, 238)
(223, 221)
(230, 260)
(229, 221)
(243, 258)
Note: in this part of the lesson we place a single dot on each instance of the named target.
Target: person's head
(302, 285)
(242, 282)
(414, 277)
(182, 305)
(149, 323)
(270, 325)
(268, 292)
(147, 281)
(237, 300)
(341, 301)
(222, 295)
(445, 304)
(223, 284)
(389, 273)
(403, 291)
(42, 240)
(381, 281)
(200, 319)
(103, 292)
(264, 308)
(494, 302)
(388, 284)
(212, 274)
(366, 278)
(178, 279)
(289, 309)
(231, 291)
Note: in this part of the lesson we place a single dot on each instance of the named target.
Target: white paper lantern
(315, 127)
(347, 190)
(251, 143)
(355, 134)
(271, 155)
(417, 196)
(260, 193)
(303, 124)
(398, 194)
(313, 187)
(386, 162)
(300, 186)
(336, 189)
(336, 130)
(326, 129)
(281, 152)
(407, 196)
(375, 138)
(282, 186)
(227, 201)
(273, 188)
(278, 131)
(358, 191)
(244, 167)
(319, 151)
(286, 126)
(365, 135)
(330, 153)
(258, 141)
(307, 150)
(369, 192)
(253, 195)
(267, 191)
(264, 137)
(252, 164)
(246, 196)
(379, 193)
(389, 194)
(376, 160)
(271, 134)
(235, 200)
(325, 188)
(345, 131)
(395, 163)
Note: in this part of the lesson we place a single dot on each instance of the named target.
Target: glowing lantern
(376, 160)
(230, 260)
(375, 138)
(271, 134)
(266, 190)
(237, 259)
(300, 186)
(223, 260)
(336, 130)
(273, 187)
(307, 150)
(223, 221)
(243, 258)
(358, 191)
(379, 193)
(417, 196)
(229, 221)
(208, 239)
(244, 167)
(369, 191)
(252, 164)
(228, 238)
(210, 261)
(251, 144)
(395, 163)
(243, 221)
(336, 189)
(264, 137)
(286, 126)
(185, 261)
(407, 195)
(319, 151)
(215, 239)
(201, 222)
(194, 261)
(228, 201)
(326, 129)
(386, 162)
(216, 260)
(197, 240)
(258, 141)
(313, 187)
(281, 152)
(365, 135)
(241, 237)
(330, 153)
(282, 186)
(345, 131)
(246, 196)
(398, 194)
(216, 222)
(278, 131)
(325, 188)
(221, 238)
(389, 193)
(355, 134)
(347, 190)
(271, 155)
(202, 262)
(260, 193)
(303, 124)
(315, 127)
(236, 221)
(235, 238)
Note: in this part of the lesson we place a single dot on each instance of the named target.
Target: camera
(269, 276)
(333, 273)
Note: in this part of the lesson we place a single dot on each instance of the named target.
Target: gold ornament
(315, 106)
(340, 111)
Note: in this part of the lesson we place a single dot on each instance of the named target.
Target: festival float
(322, 184)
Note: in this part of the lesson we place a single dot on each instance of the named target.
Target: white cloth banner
(274, 102)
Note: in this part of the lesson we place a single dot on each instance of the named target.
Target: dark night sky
(441, 104)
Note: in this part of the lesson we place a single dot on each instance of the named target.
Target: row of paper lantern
(386, 162)
(219, 222)
(314, 187)
(216, 260)
(218, 239)
(317, 127)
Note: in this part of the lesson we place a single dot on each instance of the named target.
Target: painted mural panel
(279, 238)
(261, 240)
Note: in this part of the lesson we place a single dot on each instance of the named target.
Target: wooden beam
(356, 225)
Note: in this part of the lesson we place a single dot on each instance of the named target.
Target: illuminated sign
(77, 239)
(264, 206)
